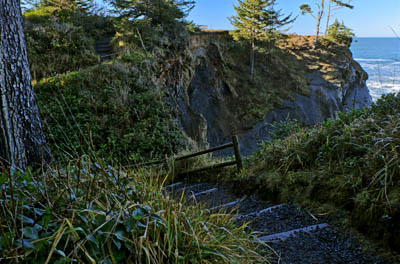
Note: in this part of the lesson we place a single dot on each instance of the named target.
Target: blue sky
(369, 18)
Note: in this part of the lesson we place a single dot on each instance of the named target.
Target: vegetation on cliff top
(110, 109)
(60, 41)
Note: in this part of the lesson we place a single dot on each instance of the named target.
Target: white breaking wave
(378, 88)
(374, 60)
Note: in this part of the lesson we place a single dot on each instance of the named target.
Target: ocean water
(380, 58)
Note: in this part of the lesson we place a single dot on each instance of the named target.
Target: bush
(282, 129)
(93, 213)
(340, 34)
(60, 41)
(110, 109)
(351, 162)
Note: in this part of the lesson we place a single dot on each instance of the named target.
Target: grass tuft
(89, 212)
(351, 162)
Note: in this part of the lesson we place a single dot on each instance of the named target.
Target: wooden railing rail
(237, 161)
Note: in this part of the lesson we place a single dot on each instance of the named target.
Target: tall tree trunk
(328, 17)
(252, 59)
(319, 17)
(22, 142)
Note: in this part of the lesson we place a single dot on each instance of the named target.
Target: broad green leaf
(119, 235)
(31, 232)
(130, 224)
(117, 243)
(26, 219)
(46, 218)
(25, 243)
(3, 178)
(60, 252)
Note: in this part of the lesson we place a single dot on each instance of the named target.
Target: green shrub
(93, 213)
(108, 108)
(280, 130)
(60, 41)
(340, 34)
(351, 162)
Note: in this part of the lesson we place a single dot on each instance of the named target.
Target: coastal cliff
(215, 97)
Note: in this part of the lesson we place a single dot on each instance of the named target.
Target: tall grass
(89, 212)
(92, 211)
(351, 162)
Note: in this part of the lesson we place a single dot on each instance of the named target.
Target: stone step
(173, 186)
(105, 44)
(104, 41)
(287, 234)
(215, 196)
(295, 235)
(258, 213)
(103, 50)
(226, 205)
(277, 219)
(205, 192)
(192, 188)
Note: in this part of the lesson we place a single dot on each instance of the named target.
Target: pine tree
(256, 20)
(339, 33)
(82, 5)
(336, 5)
(157, 12)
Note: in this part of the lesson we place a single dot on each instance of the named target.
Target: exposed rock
(216, 98)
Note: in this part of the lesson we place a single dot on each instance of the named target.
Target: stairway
(294, 234)
(103, 49)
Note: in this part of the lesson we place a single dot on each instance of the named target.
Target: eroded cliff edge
(209, 85)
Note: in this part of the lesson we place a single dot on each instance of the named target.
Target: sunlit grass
(351, 162)
(89, 212)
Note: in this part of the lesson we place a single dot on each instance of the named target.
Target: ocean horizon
(380, 58)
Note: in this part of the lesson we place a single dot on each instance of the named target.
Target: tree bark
(319, 17)
(328, 17)
(252, 59)
(22, 141)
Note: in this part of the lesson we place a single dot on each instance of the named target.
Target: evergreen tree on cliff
(22, 142)
(157, 12)
(82, 5)
(257, 20)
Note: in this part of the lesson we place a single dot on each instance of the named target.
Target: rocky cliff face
(215, 97)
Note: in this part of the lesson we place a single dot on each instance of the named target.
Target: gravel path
(298, 237)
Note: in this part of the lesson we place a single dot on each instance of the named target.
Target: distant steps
(103, 49)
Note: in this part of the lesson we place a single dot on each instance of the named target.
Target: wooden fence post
(236, 148)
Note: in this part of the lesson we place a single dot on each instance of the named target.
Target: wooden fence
(237, 161)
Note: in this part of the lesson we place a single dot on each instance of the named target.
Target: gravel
(281, 219)
(326, 246)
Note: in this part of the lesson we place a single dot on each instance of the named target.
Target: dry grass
(88, 212)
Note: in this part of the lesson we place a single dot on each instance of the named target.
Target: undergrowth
(90, 212)
(60, 41)
(110, 108)
(351, 162)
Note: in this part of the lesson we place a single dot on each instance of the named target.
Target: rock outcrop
(215, 97)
